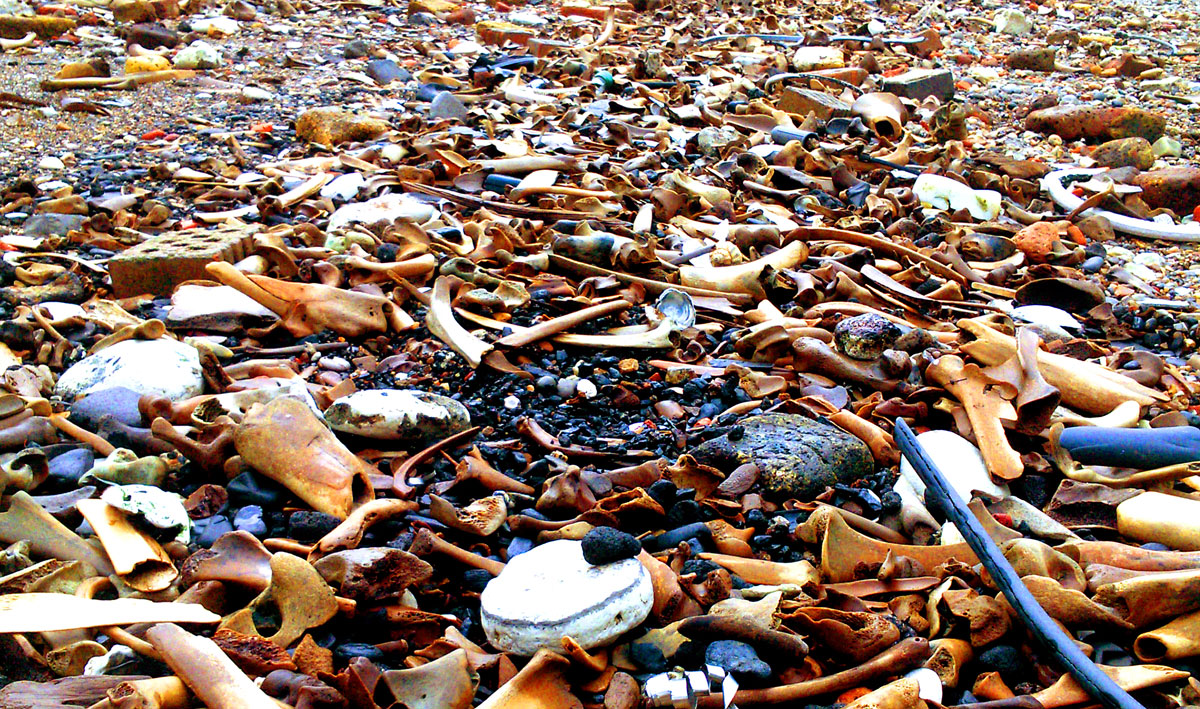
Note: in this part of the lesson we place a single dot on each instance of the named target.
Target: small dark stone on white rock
(604, 545)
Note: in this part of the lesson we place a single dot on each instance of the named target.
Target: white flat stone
(551, 592)
(163, 367)
(1047, 315)
(959, 460)
(385, 208)
(398, 415)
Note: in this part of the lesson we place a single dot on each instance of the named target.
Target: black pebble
(307, 526)
(604, 545)
(738, 658)
(1005, 659)
(648, 657)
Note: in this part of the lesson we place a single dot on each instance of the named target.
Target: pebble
(70, 466)
(385, 71)
(447, 105)
(604, 545)
(255, 94)
(119, 402)
(551, 591)
(1005, 659)
(250, 519)
(309, 525)
(648, 657)
(738, 658)
(356, 49)
(51, 163)
(398, 415)
(1012, 21)
(346, 652)
(210, 529)
(161, 367)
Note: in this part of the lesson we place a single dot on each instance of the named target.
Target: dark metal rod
(1100, 686)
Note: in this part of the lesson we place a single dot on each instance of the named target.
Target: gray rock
(385, 71)
(447, 105)
(797, 456)
(398, 415)
(737, 658)
(163, 367)
(53, 224)
(356, 49)
(119, 402)
(919, 84)
(866, 336)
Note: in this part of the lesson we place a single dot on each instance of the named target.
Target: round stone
(162, 367)
(739, 658)
(551, 592)
(604, 545)
(398, 415)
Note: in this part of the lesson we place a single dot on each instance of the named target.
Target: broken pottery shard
(920, 84)
(797, 456)
(285, 441)
(398, 415)
(1097, 122)
(333, 126)
(45, 612)
(162, 367)
(1175, 188)
(551, 592)
(158, 265)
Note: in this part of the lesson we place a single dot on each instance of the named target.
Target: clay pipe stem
(897, 659)
(100, 445)
(426, 542)
(1100, 686)
(711, 627)
(563, 322)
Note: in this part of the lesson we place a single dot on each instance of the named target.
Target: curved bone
(207, 670)
(439, 318)
(744, 277)
(812, 355)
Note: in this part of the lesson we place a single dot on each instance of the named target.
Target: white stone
(163, 367)
(813, 58)
(929, 685)
(199, 55)
(398, 414)
(194, 301)
(51, 163)
(551, 592)
(1012, 21)
(960, 462)
(254, 93)
(1047, 315)
(215, 25)
(937, 192)
(1167, 147)
(386, 208)
(344, 187)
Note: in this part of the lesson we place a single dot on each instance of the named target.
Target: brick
(919, 84)
(159, 264)
(805, 101)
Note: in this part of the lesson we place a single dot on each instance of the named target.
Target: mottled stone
(162, 367)
(1125, 152)
(865, 336)
(398, 414)
(797, 456)
(1071, 122)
